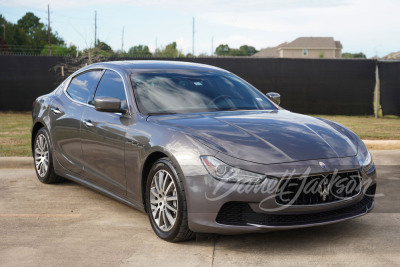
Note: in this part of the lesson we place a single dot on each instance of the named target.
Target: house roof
(394, 55)
(313, 42)
(338, 45)
(269, 51)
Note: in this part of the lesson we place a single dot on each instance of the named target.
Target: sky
(371, 27)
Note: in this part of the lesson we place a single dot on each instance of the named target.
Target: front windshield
(178, 91)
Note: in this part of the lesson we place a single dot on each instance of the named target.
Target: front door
(103, 138)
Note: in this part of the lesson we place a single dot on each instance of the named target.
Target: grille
(318, 189)
(240, 214)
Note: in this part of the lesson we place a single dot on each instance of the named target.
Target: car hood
(264, 137)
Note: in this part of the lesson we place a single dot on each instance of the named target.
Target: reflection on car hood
(264, 137)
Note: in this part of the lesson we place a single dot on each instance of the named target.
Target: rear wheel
(42, 154)
(166, 202)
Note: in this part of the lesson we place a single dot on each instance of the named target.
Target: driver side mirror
(275, 97)
(108, 104)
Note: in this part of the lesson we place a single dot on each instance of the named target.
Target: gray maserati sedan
(199, 150)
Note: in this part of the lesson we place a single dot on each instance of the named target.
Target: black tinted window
(111, 85)
(80, 87)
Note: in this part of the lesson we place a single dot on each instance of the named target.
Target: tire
(43, 158)
(166, 202)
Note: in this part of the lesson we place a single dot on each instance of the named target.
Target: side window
(80, 87)
(111, 85)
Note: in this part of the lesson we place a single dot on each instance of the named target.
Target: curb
(16, 162)
(27, 162)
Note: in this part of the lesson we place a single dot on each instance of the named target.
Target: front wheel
(166, 202)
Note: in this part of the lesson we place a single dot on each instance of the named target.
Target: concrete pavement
(69, 225)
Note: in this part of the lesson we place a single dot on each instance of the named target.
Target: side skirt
(74, 177)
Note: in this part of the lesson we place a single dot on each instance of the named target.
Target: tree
(139, 51)
(247, 50)
(37, 32)
(222, 50)
(101, 50)
(354, 55)
(169, 51)
(28, 35)
(188, 55)
(103, 46)
(60, 50)
(30, 24)
(14, 36)
(244, 50)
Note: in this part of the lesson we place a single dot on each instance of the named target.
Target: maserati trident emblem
(323, 189)
(323, 166)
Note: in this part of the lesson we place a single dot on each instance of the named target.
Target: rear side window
(80, 87)
(111, 85)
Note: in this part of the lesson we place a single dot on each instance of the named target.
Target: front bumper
(234, 209)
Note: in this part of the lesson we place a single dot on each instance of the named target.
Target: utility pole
(4, 30)
(193, 39)
(155, 51)
(212, 46)
(48, 27)
(95, 28)
(122, 45)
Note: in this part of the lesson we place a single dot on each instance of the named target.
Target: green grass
(367, 127)
(15, 134)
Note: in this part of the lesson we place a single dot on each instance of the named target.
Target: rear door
(65, 119)
(103, 138)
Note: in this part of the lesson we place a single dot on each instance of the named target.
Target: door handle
(55, 110)
(135, 143)
(88, 123)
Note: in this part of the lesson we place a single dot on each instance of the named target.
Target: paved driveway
(69, 225)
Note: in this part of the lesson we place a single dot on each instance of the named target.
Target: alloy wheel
(163, 200)
(41, 155)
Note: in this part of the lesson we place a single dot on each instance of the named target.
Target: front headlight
(226, 173)
(365, 161)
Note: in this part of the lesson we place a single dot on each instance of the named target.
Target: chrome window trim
(321, 204)
(129, 113)
(69, 82)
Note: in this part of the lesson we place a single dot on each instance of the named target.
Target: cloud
(56, 4)
(192, 7)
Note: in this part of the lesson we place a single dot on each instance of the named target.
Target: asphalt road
(69, 225)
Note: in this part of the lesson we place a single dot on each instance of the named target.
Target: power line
(155, 50)
(212, 46)
(4, 29)
(193, 39)
(95, 28)
(48, 28)
(122, 45)
(58, 14)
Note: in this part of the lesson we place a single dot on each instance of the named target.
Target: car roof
(132, 65)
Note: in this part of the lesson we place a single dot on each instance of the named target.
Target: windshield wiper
(233, 109)
(227, 109)
(161, 113)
